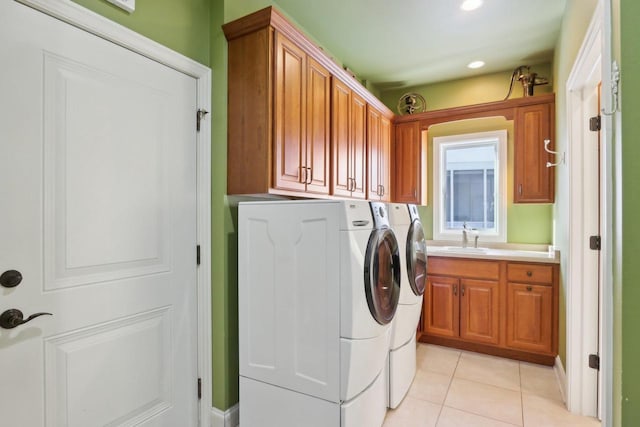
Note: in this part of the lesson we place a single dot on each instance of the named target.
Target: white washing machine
(405, 222)
(318, 287)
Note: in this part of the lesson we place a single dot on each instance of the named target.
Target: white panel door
(98, 214)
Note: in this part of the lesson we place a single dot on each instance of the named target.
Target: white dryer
(318, 287)
(405, 222)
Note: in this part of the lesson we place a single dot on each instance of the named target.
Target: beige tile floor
(455, 388)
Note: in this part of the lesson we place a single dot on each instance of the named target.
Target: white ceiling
(398, 43)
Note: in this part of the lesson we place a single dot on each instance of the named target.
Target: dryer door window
(416, 258)
(382, 275)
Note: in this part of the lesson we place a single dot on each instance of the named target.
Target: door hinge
(199, 388)
(595, 123)
(594, 361)
(199, 116)
(198, 255)
(595, 242)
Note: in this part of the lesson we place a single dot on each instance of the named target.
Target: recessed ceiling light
(476, 64)
(471, 4)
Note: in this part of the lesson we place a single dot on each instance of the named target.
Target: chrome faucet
(465, 239)
(465, 235)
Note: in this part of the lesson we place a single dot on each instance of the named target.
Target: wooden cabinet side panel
(289, 101)
(340, 135)
(374, 153)
(359, 145)
(479, 311)
(384, 169)
(249, 113)
(530, 317)
(533, 180)
(441, 306)
(318, 127)
(407, 163)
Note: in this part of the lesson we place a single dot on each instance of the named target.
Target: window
(469, 182)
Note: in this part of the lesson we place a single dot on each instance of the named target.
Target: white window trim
(500, 176)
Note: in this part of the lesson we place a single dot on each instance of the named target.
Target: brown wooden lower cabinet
(441, 311)
(479, 312)
(529, 317)
(508, 309)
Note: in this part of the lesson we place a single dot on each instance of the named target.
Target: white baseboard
(561, 377)
(228, 418)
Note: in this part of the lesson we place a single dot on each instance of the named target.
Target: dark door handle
(12, 318)
(10, 278)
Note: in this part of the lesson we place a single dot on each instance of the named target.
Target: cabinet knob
(529, 288)
(455, 290)
(520, 189)
(310, 174)
(462, 290)
(529, 273)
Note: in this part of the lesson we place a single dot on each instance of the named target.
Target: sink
(466, 250)
(508, 254)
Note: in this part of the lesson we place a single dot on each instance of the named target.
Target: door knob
(12, 318)
(10, 278)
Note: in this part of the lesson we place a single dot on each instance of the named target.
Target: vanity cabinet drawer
(530, 273)
(464, 268)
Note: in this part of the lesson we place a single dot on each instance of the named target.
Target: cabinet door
(441, 308)
(479, 311)
(408, 165)
(289, 117)
(529, 317)
(318, 127)
(534, 181)
(340, 131)
(358, 143)
(379, 153)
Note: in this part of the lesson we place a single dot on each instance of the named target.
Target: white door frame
(583, 391)
(91, 22)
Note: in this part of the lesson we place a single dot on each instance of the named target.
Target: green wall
(526, 223)
(224, 304)
(630, 237)
(180, 25)
(468, 91)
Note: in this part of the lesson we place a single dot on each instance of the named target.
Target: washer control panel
(380, 216)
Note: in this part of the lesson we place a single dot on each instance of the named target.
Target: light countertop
(495, 251)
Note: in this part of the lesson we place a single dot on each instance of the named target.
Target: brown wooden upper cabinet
(533, 123)
(409, 173)
(533, 180)
(349, 142)
(302, 118)
(297, 122)
(379, 155)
